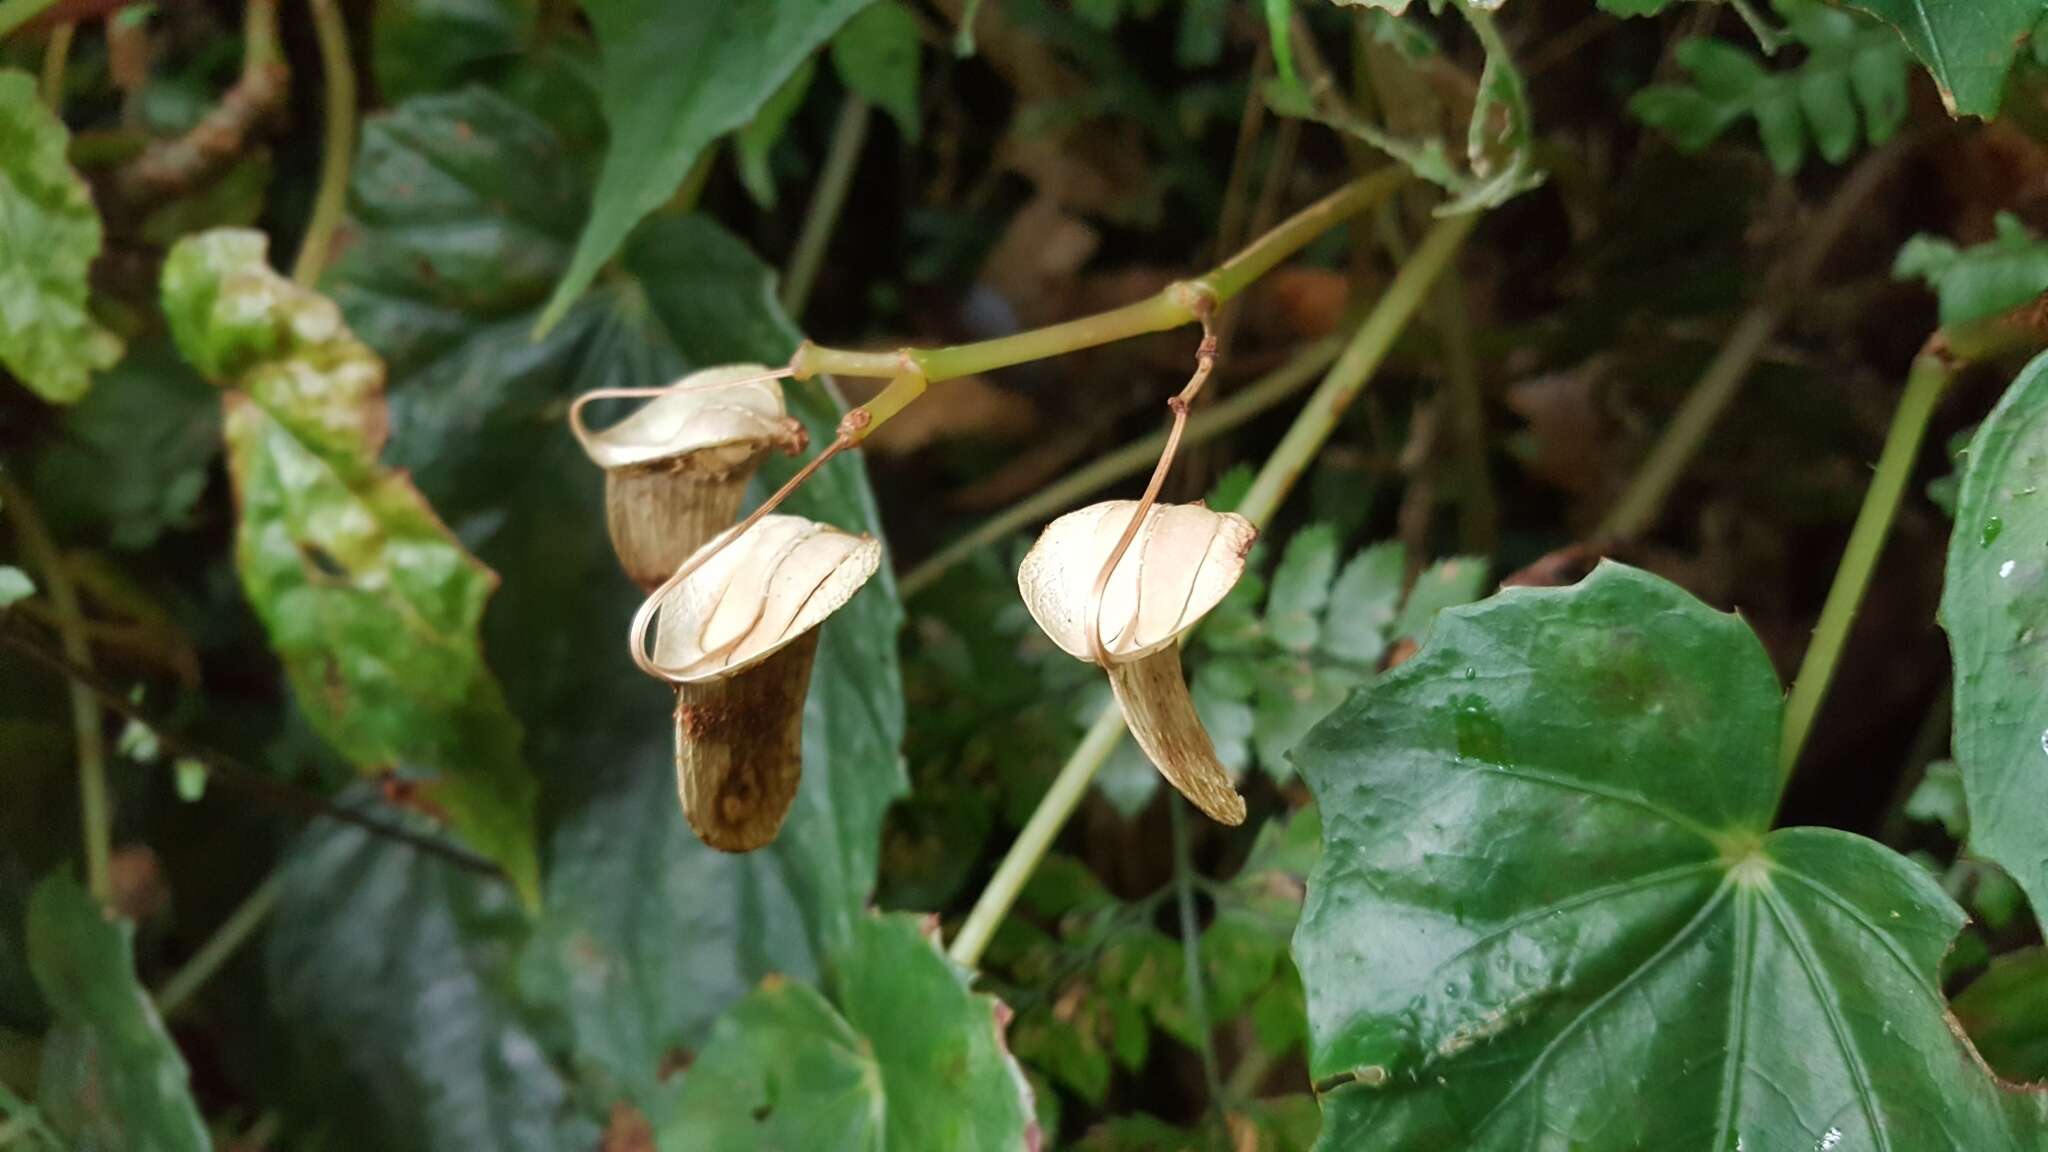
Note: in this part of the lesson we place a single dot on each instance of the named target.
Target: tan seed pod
(736, 636)
(1182, 562)
(676, 469)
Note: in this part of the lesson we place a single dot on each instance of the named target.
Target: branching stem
(1361, 358)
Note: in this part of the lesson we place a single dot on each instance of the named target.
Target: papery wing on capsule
(1181, 563)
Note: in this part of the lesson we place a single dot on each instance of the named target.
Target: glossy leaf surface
(1547, 892)
(1995, 607)
(111, 1078)
(49, 235)
(371, 603)
(914, 1062)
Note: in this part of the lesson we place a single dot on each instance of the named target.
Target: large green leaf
(371, 603)
(112, 1079)
(1549, 912)
(676, 77)
(1995, 607)
(49, 235)
(389, 971)
(914, 1061)
(647, 935)
(1969, 45)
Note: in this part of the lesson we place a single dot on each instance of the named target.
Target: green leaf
(1995, 607)
(1938, 799)
(1360, 620)
(1851, 86)
(49, 236)
(477, 410)
(15, 586)
(1444, 584)
(1968, 45)
(676, 77)
(372, 605)
(420, 46)
(1548, 887)
(913, 1060)
(133, 457)
(755, 143)
(390, 971)
(111, 1078)
(2005, 1012)
(1301, 588)
(1986, 280)
(878, 56)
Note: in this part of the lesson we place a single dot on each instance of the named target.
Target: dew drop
(2005, 569)
(2044, 739)
(1992, 528)
(1830, 1138)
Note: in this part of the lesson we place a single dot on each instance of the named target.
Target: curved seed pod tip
(676, 469)
(1182, 562)
(736, 636)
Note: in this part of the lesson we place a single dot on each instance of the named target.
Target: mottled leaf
(648, 935)
(1988, 279)
(912, 1061)
(111, 1079)
(49, 235)
(390, 972)
(371, 603)
(1548, 893)
(1968, 45)
(878, 56)
(676, 77)
(1995, 607)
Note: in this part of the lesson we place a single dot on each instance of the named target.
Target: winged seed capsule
(676, 469)
(736, 637)
(1183, 561)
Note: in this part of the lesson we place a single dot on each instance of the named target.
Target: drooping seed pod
(1181, 563)
(736, 636)
(676, 469)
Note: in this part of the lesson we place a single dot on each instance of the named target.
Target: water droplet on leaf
(1992, 528)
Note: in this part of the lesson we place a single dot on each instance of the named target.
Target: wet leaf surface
(1548, 888)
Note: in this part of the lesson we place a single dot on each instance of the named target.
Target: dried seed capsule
(1182, 562)
(676, 469)
(736, 636)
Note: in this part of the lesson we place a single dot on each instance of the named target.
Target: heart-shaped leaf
(1549, 897)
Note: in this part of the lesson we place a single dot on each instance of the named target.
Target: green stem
(1031, 844)
(1361, 358)
(1191, 952)
(15, 13)
(40, 550)
(56, 54)
(24, 1117)
(212, 955)
(1173, 307)
(823, 215)
(1932, 371)
(1478, 517)
(331, 200)
(1139, 455)
(1641, 504)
